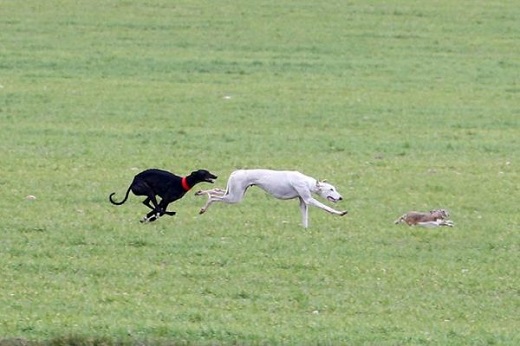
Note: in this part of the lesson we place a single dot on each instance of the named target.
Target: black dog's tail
(123, 201)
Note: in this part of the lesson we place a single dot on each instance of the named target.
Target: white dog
(280, 184)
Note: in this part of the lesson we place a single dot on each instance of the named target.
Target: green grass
(401, 105)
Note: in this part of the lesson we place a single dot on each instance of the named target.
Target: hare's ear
(324, 181)
(317, 183)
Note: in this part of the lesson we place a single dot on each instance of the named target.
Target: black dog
(168, 186)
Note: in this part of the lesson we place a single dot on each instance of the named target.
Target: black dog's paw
(149, 218)
(171, 213)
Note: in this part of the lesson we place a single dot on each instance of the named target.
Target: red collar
(185, 185)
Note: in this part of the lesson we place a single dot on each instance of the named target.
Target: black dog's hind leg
(171, 213)
(141, 188)
(154, 215)
(151, 216)
(157, 211)
(154, 205)
(159, 208)
(163, 205)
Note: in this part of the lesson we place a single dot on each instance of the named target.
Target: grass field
(400, 104)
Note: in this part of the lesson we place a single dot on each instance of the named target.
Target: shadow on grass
(86, 341)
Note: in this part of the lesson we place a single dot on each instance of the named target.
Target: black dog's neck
(190, 181)
(185, 184)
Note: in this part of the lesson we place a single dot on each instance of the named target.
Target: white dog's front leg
(305, 213)
(318, 204)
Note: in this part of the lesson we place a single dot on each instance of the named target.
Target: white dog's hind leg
(234, 193)
(205, 207)
(212, 192)
(212, 195)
